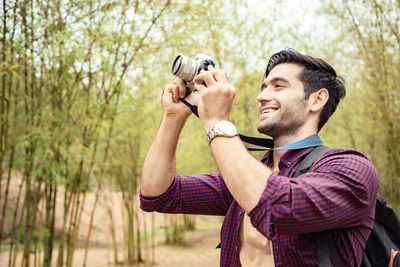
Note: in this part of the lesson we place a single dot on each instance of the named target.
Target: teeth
(269, 110)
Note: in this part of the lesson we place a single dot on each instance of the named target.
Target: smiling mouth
(269, 110)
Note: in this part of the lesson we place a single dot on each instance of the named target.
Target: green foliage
(367, 52)
(81, 82)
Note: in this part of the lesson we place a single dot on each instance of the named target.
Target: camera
(187, 68)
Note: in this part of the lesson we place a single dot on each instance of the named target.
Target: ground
(199, 248)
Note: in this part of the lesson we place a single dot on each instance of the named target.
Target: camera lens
(185, 68)
(177, 64)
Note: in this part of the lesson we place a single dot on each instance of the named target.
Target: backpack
(384, 236)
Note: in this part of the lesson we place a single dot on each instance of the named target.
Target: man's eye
(279, 85)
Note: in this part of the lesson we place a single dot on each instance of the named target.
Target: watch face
(227, 128)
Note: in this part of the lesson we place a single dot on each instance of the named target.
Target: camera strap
(267, 143)
(192, 107)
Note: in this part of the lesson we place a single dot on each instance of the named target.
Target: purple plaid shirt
(338, 193)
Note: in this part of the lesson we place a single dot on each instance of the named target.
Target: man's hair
(317, 74)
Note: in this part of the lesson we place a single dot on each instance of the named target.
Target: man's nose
(264, 95)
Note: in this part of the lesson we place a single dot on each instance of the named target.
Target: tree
(370, 52)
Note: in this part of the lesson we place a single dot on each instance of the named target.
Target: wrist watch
(222, 128)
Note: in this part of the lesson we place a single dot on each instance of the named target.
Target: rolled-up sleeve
(204, 194)
(340, 191)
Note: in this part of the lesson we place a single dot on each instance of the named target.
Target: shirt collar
(289, 157)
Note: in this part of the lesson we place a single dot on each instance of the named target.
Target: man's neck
(286, 140)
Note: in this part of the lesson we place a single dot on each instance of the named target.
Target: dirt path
(200, 243)
(199, 251)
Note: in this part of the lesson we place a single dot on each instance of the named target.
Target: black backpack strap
(327, 251)
(322, 239)
(309, 160)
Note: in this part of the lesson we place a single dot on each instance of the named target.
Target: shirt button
(289, 162)
(236, 248)
(240, 213)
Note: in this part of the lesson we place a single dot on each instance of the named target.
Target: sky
(302, 14)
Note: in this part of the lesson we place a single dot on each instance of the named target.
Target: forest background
(80, 86)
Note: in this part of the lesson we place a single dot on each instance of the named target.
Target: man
(297, 97)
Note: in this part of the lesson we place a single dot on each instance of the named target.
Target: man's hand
(170, 100)
(216, 98)
(159, 165)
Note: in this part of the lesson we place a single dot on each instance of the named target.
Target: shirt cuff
(261, 215)
(150, 203)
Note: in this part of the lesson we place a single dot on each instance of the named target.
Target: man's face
(283, 109)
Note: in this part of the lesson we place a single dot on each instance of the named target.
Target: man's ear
(318, 99)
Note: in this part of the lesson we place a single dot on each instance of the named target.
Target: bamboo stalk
(4, 207)
(72, 225)
(11, 260)
(67, 204)
(112, 229)
(3, 104)
(90, 225)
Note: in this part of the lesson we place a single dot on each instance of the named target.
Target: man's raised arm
(160, 165)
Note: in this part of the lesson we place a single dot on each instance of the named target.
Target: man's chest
(256, 249)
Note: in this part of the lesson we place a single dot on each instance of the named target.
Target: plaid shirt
(338, 193)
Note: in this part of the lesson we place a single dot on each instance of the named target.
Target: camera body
(187, 68)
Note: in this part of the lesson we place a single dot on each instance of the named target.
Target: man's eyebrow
(275, 80)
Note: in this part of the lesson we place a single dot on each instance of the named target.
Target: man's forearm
(244, 175)
(159, 166)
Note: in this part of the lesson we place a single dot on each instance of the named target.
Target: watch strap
(217, 131)
(211, 135)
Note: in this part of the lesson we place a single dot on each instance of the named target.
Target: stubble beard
(286, 125)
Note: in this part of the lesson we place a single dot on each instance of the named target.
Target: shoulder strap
(308, 161)
(327, 250)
